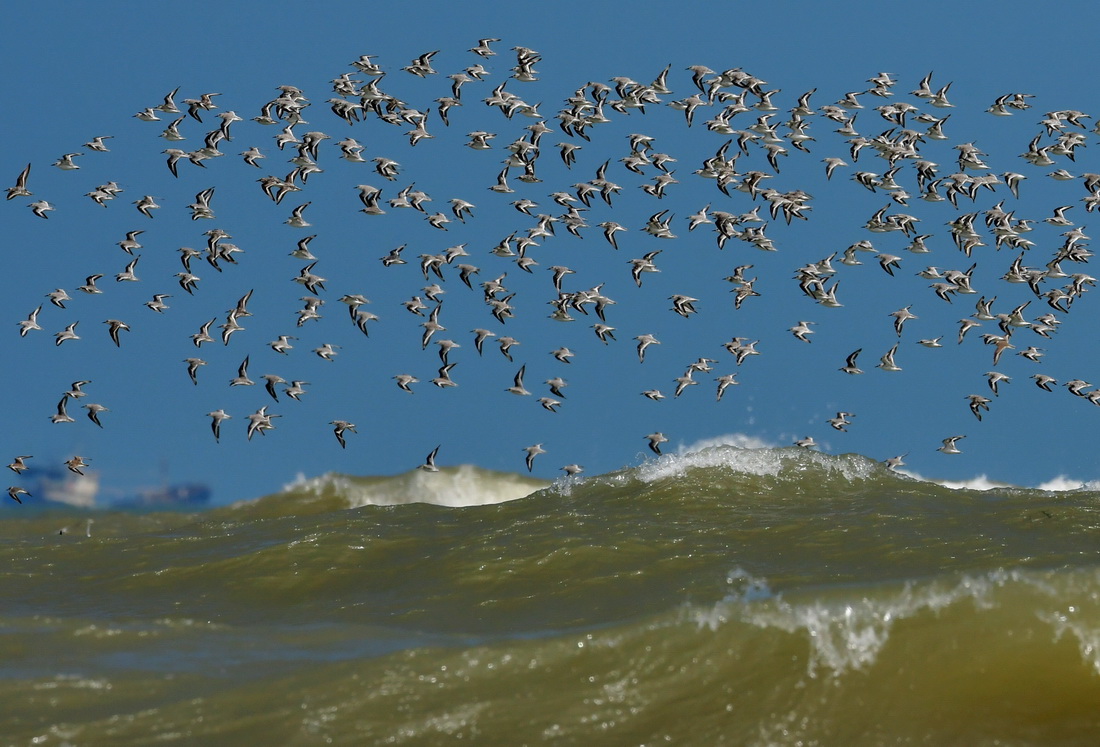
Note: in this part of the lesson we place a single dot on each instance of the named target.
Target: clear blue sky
(74, 75)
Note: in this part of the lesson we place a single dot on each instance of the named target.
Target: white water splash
(464, 485)
(843, 635)
(739, 440)
(763, 462)
(1061, 483)
(1058, 484)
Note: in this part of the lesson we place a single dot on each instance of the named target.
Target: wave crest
(464, 485)
(790, 461)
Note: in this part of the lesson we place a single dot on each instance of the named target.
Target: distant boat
(184, 495)
(58, 485)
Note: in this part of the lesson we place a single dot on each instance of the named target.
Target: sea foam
(464, 485)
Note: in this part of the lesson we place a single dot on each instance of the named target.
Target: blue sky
(75, 76)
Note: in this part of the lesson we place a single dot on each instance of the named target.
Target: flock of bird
(735, 108)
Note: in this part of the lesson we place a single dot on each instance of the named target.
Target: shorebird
(169, 104)
(802, 331)
(18, 464)
(444, 379)
(610, 228)
(40, 208)
(241, 379)
(563, 354)
(75, 389)
(724, 383)
(89, 286)
(549, 403)
(327, 351)
(93, 412)
(482, 49)
(339, 428)
(1076, 387)
(31, 322)
(949, 445)
(506, 344)
(429, 461)
(15, 491)
(282, 344)
(76, 464)
(114, 326)
(644, 264)
(271, 380)
(295, 390)
(65, 163)
(296, 218)
(841, 421)
(216, 418)
(62, 416)
(203, 335)
(850, 366)
(128, 274)
(404, 381)
(69, 333)
(252, 155)
(995, 378)
(193, 368)
(831, 165)
(480, 335)
(683, 382)
(965, 326)
(1044, 382)
(145, 205)
(260, 421)
(887, 361)
(901, 316)
(977, 404)
(517, 385)
(644, 341)
(683, 305)
(422, 65)
(20, 188)
(894, 462)
(655, 441)
(556, 385)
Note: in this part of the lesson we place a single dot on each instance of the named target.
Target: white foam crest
(1078, 618)
(845, 635)
(979, 482)
(464, 485)
(314, 485)
(1088, 636)
(1061, 483)
(745, 587)
(739, 440)
(762, 462)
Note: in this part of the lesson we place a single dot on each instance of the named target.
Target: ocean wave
(787, 462)
(1005, 657)
(846, 628)
(742, 463)
(464, 485)
(783, 594)
(767, 458)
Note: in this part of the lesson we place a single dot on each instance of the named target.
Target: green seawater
(730, 596)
